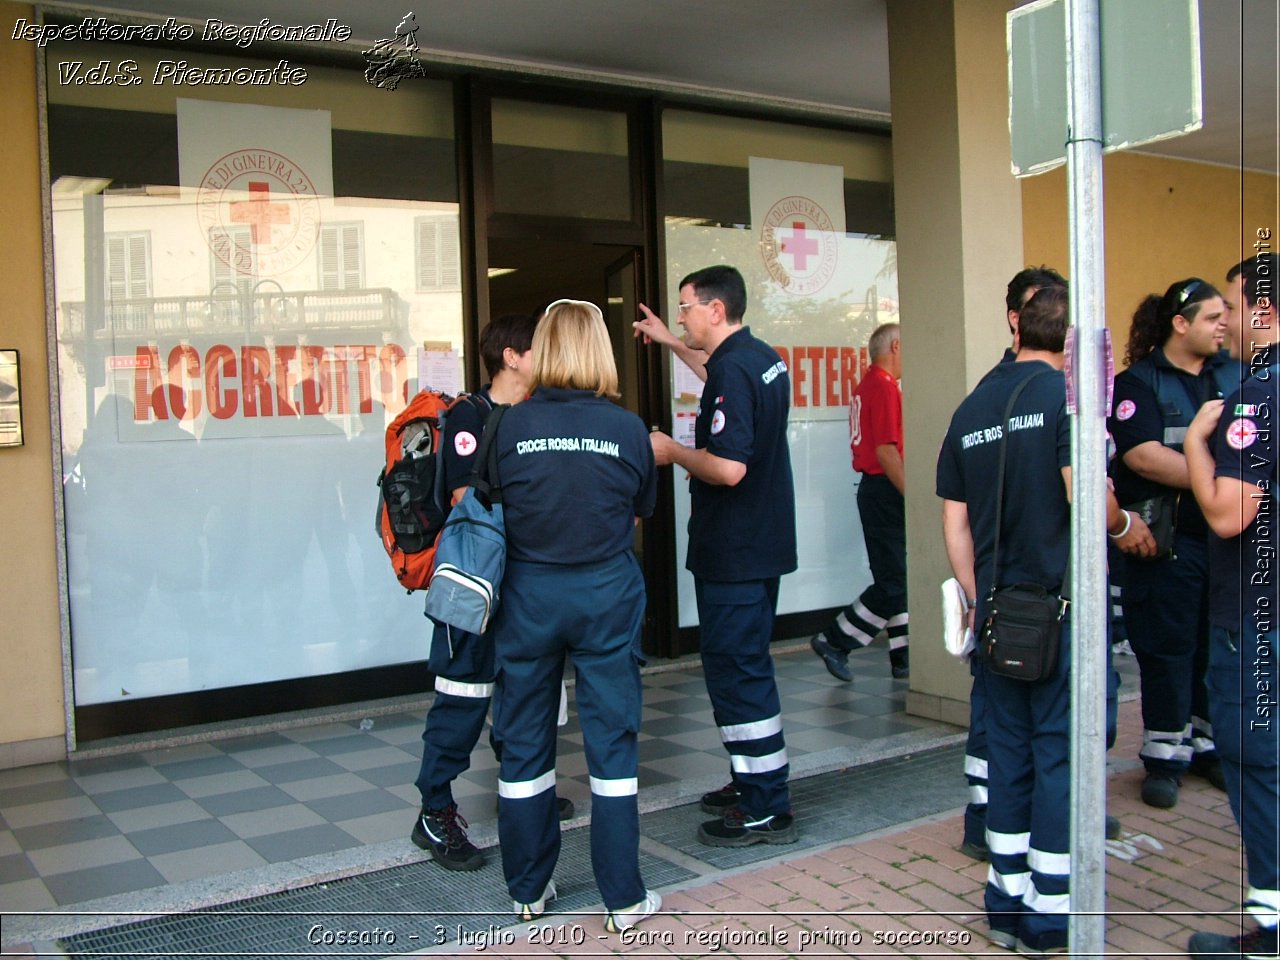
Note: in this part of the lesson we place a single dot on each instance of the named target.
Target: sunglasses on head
(570, 302)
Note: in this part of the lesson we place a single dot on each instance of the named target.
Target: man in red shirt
(875, 431)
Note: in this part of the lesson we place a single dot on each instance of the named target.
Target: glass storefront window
(249, 286)
(558, 161)
(807, 216)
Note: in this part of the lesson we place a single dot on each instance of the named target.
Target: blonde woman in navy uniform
(576, 472)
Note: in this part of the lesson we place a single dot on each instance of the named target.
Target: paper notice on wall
(440, 368)
(259, 173)
(688, 388)
(682, 427)
(797, 216)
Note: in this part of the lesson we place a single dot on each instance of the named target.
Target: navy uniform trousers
(975, 750)
(1028, 747)
(1248, 740)
(592, 613)
(1166, 609)
(883, 605)
(464, 669)
(736, 624)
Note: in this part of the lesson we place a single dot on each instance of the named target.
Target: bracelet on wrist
(1128, 522)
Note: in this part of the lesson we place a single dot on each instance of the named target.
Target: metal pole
(1087, 925)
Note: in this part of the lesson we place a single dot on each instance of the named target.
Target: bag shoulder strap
(1004, 445)
(485, 476)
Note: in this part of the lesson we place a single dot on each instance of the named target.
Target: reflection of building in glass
(188, 308)
(10, 409)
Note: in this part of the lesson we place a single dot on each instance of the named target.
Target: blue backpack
(471, 552)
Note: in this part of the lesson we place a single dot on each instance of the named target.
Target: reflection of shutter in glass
(128, 266)
(439, 259)
(341, 256)
(231, 259)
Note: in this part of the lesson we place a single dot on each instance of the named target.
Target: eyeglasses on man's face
(682, 307)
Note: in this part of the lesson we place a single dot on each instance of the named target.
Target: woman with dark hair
(1176, 364)
(576, 471)
(463, 663)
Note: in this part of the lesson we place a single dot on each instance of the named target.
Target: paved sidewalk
(1172, 872)
(901, 891)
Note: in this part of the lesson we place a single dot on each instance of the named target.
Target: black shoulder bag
(1020, 638)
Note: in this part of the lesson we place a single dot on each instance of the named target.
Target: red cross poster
(797, 213)
(259, 174)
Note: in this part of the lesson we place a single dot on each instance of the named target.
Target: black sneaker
(836, 661)
(737, 828)
(976, 851)
(1160, 790)
(1259, 944)
(1111, 827)
(1209, 766)
(441, 832)
(717, 802)
(899, 663)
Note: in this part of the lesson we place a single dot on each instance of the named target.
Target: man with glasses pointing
(742, 539)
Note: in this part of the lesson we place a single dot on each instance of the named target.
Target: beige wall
(1165, 220)
(958, 212)
(32, 722)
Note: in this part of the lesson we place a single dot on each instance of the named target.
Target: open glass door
(622, 298)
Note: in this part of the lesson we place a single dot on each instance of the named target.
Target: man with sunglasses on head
(1175, 365)
(742, 539)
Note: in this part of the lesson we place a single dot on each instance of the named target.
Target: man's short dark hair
(1024, 280)
(1258, 277)
(723, 283)
(1043, 321)
(514, 330)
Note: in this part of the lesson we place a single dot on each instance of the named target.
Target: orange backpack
(414, 502)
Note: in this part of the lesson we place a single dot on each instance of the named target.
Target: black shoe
(837, 661)
(442, 833)
(737, 828)
(564, 807)
(1160, 790)
(1111, 828)
(718, 801)
(976, 851)
(899, 664)
(1259, 944)
(1209, 766)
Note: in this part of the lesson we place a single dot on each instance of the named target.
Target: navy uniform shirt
(1036, 522)
(463, 428)
(1137, 417)
(576, 470)
(1242, 569)
(747, 531)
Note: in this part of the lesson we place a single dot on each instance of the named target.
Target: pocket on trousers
(726, 593)
(618, 703)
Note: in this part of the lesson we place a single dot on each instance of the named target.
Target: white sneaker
(619, 920)
(532, 911)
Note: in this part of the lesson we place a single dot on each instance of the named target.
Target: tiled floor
(76, 832)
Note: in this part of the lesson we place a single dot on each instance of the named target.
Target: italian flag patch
(1246, 410)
